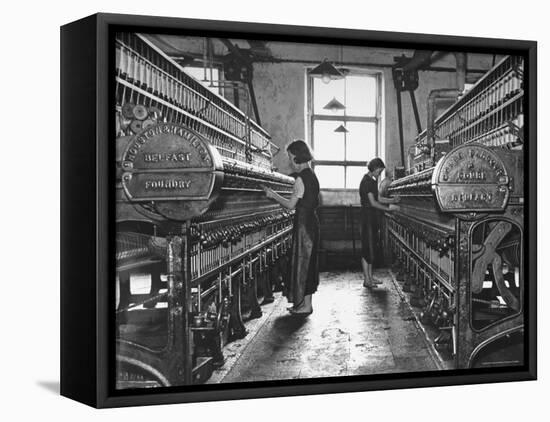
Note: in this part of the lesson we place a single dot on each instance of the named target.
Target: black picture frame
(87, 210)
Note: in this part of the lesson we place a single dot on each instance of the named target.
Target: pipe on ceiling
(460, 71)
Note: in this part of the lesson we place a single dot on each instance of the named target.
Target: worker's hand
(393, 208)
(268, 191)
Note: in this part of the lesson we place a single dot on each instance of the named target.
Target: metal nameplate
(173, 185)
(169, 162)
(167, 146)
(471, 178)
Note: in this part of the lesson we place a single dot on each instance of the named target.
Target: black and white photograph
(269, 211)
(309, 210)
(237, 211)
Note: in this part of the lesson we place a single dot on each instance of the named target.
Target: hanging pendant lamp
(341, 129)
(326, 71)
(334, 105)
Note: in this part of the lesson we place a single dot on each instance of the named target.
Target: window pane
(198, 74)
(361, 96)
(330, 177)
(354, 174)
(323, 93)
(140, 284)
(360, 141)
(328, 145)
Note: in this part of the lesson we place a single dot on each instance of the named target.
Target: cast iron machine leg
(405, 80)
(179, 331)
(415, 110)
(400, 125)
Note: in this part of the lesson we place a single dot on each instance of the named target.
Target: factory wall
(280, 90)
(280, 93)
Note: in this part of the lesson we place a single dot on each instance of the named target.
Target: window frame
(218, 66)
(377, 119)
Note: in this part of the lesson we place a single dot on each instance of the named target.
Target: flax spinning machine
(457, 240)
(199, 247)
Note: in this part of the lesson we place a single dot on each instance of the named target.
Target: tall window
(344, 139)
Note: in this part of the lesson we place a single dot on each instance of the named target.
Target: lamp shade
(341, 129)
(334, 105)
(326, 71)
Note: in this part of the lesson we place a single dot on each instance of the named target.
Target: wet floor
(352, 331)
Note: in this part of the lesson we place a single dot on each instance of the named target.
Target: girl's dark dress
(369, 218)
(304, 270)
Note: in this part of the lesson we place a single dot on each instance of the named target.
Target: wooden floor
(352, 331)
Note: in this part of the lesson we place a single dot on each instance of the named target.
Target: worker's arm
(376, 204)
(383, 196)
(387, 200)
(291, 202)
